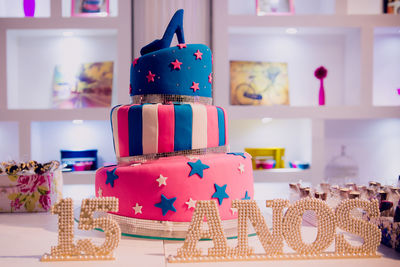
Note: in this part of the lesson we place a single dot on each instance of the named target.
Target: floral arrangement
(321, 73)
(29, 186)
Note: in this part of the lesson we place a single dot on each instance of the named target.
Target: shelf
(253, 133)
(55, 114)
(59, 23)
(287, 175)
(10, 9)
(9, 143)
(386, 60)
(300, 7)
(48, 138)
(381, 20)
(84, 177)
(317, 112)
(360, 52)
(372, 143)
(337, 49)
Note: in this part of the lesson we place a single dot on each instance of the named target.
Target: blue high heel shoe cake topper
(175, 26)
(165, 74)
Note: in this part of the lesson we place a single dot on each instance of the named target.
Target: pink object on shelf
(269, 164)
(321, 95)
(29, 8)
(80, 166)
(321, 73)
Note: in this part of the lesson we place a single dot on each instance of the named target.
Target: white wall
(373, 144)
(9, 143)
(275, 133)
(48, 138)
(364, 6)
(386, 69)
(242, 7)
(303, 53)
(35, 53)
(151, 18)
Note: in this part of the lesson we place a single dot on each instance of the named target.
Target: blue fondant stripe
(221, 126)
(135, 130)
(183, 127)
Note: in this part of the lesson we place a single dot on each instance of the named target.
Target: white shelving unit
(361, 54)
(28, 54)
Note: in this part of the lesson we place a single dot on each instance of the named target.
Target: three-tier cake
(172, 144)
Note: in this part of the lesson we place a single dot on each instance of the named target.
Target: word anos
(284, 227)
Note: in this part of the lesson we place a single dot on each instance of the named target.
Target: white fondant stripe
(150, 129)
(199, 130)
(114, 119)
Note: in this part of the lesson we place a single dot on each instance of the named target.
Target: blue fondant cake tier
(183, 70)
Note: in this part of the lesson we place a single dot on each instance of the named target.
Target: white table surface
(25, 237)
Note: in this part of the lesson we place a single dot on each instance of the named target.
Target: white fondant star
(193, 157)
(100, 192)
(136, 164)
(137, 208)
(241, 168)
(191, 203)
(162, 180)
(234, 210)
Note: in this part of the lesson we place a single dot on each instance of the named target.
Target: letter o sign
(292, 226)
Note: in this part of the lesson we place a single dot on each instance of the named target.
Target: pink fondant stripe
(123, 131)
(199, 128)
(166, 128)
(150, 128)
(226, 127)
(114, 119)
(212, 126)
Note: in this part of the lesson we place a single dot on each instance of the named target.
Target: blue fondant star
(220, 193)
(246, 197)
(237, 154)
(111, 177)
(166, 204)
(197, 168)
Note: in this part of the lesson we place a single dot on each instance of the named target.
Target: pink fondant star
(177, 64)
(195, 86)
(135, 61)
(181, 46)
(150, 77)
(198, 54)
(210, 78)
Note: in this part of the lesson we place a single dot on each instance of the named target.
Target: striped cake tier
(150, 129)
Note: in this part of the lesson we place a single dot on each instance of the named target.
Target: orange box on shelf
(275, 153)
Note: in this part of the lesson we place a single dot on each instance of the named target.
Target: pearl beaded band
(166, 99)
(199, 151)
(164, 229)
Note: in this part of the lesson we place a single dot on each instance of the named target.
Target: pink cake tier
(157, 198)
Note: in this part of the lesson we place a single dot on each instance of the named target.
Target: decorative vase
(321, 97)
(29, 8)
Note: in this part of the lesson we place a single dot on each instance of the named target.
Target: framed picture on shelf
(391, 6)
(90, 8)
(274, 7)
(259, 83)
(83, 86)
